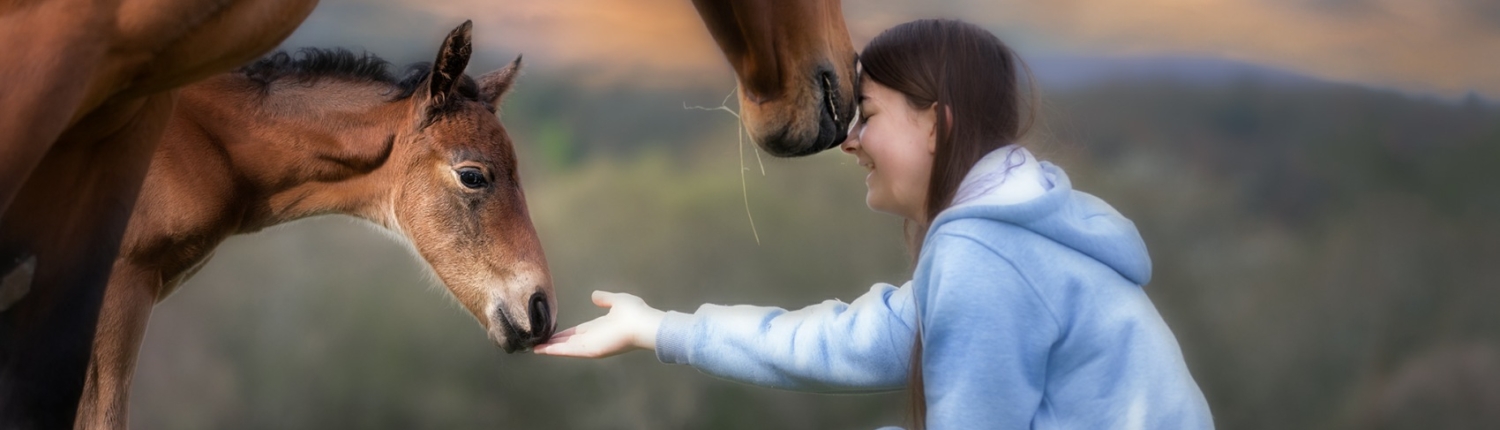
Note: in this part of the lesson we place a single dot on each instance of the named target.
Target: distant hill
(1071, 72)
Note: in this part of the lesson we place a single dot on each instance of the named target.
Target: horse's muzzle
(539, 319)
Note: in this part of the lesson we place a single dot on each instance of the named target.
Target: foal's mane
(309, 65)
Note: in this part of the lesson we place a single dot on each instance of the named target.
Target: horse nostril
(541, 316)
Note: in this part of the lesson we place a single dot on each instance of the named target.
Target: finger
(552, 348)
(603, 299)
(585, 327)
(562, 335)
(564, 350)
(558, 339)
(565, 333)
(547, 349)
(625, 297)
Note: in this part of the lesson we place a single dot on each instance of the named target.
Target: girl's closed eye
(862, 122)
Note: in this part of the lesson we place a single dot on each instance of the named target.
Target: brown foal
(328, 132)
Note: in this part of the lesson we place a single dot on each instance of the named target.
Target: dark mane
(309, 65)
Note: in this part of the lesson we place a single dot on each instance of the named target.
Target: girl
(1025, 309)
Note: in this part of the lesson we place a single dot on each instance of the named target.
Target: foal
(284, 138)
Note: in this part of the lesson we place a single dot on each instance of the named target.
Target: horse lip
(831, 108)
(513, 336)
(830, 98)
(787, 144)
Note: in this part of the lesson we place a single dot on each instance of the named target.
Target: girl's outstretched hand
(629, 324)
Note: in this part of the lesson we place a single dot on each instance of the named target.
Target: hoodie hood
(1009, 185)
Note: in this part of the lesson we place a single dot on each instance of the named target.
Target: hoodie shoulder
(1076, 220)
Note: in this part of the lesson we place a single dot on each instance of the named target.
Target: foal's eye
(471, 177)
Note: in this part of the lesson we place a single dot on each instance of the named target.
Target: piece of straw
(744, 189)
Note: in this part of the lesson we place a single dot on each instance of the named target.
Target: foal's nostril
(541, 316)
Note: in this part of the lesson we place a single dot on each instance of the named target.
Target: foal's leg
(122, 325)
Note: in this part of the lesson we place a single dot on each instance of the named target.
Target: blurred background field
(1325, 241)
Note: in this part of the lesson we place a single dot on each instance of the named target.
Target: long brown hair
(968, 73)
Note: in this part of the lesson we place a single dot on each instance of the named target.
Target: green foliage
(555, 143)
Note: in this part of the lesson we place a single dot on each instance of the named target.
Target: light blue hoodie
(1028, 294)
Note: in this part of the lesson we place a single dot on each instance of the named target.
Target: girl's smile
(894, 142)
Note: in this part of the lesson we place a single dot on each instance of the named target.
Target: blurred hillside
(1324, 253)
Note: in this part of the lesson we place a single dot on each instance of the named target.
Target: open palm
(630, 324)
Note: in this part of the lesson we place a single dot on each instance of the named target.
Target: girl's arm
(864, 345)
(829, 347)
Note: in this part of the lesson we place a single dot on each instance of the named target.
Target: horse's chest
(175, 42)
(169, 285)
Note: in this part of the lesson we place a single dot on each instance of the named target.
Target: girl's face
(895, 143)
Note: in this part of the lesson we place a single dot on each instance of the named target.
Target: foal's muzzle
(539, 320)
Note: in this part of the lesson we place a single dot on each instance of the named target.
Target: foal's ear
(494, 85)
(452, 58)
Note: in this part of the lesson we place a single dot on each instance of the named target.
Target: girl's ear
(948, 124)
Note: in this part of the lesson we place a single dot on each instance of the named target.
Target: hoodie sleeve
(862, 346)
(986, 334)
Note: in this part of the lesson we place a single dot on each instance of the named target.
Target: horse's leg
(46, 67)
(122, 326)
(70, 215)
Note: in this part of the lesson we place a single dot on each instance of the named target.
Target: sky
(1442, 47)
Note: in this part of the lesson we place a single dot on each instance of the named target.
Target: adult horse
(795, 66)
(85, 90)
(423, 157)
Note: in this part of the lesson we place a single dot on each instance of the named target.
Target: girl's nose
(850, 143)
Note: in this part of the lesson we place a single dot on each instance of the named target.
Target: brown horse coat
(795, 66)
(85, 90)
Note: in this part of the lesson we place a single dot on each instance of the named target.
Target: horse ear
(494, 85)
(452, 58)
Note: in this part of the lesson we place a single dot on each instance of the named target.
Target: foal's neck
(304, 150)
